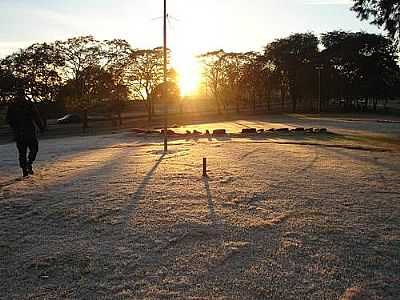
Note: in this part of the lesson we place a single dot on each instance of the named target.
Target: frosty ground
(281, 216)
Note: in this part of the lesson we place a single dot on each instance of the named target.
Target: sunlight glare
(188, 70)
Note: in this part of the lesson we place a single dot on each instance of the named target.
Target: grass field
(279, 217)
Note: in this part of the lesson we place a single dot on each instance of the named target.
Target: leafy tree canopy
(384, 13)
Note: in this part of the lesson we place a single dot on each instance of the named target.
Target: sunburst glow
(189, 73)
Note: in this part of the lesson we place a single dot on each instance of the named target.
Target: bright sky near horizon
(194, 27)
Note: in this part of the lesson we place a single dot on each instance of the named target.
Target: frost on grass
(114, 217)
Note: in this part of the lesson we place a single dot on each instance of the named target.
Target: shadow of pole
(211, 210)
(138, 195)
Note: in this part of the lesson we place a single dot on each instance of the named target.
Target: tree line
(350, 68)
(83, 74)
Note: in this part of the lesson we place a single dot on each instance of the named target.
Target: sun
(189, 73)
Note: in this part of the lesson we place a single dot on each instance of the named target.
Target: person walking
(22, 116)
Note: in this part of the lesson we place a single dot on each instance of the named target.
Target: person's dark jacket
(22, 117)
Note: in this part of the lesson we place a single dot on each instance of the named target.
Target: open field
(279, 217)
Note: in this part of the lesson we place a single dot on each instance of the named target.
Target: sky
(194, 26)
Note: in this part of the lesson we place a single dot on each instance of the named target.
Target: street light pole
(165, 81)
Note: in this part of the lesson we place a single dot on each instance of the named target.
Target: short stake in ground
(205, 167)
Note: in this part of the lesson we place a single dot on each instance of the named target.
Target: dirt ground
(279, 217)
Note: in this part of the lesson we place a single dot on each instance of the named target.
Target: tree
(118, 98)
(352, 62)
(143, 74)
(237, 78)
(384, 13)
(98, 90)
(82, 66)
(78, 53)
(116, 57)
(37, 68)
(112, 94)
(222, 74)
(80, 95)
(256, 79)
(214, 74)
(291, 59)
(168, 91)
(8, 84)
(232, 68)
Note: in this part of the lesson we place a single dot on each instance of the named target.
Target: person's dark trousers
(26, 159)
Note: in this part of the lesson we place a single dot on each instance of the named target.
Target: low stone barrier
(245, 131)
(219, 132)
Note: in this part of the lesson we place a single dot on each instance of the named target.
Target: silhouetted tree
(352, 62)
(168, 91)
(223, 74)
(82, 57)
(214, 74)
(236, 78)
(97, 90)
(232, 67)
(116, 96)
(256, 81)
(143, 74)
(88, 63)
(291, 58)
(384, 13)
(37, 67)
(7, 86)
(81, 95)
(79, 53)
(115, 55)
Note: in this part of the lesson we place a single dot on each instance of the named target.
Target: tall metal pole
(165, 81)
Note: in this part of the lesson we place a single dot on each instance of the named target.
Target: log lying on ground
(282, 130)
(249, 131)
(219, 132)
(321, 130)
(298, 129)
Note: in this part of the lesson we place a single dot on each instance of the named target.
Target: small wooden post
(204, 167)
